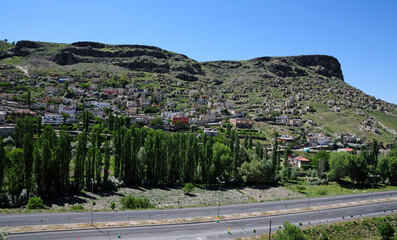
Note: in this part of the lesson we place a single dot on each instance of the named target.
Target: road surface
(213, 230)
(29, 219)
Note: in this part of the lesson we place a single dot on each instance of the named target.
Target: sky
(361, 34)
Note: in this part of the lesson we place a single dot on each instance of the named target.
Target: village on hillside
(63, 100)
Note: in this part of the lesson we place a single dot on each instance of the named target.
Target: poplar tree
(98, 164)
(81, 151)
(2, 163)
(38, 168)
(106, 164)
(65, 159)
(28, 161)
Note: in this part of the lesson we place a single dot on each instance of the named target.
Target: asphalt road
(213, 230)
(28, 219)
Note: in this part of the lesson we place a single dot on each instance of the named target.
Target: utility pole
(92, 201)
(219, 200)
(373, 179)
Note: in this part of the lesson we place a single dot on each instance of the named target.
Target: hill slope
(309, 88)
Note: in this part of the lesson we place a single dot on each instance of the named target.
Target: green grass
(388, 120)
(333, 189)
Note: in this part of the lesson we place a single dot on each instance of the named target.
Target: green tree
(98, 164)
(28, 161)
(141, 162)
(65, 157)
(320, 162)
(356, 168)
(81, 153)
(274, 153)
(28, 101)
(38, 168)
(338, 165)
(157, 122)
(259, 149)
(106, 164)
(222, 160)
(2, 163)
(15, 171)
(249, 146)
(386, 230)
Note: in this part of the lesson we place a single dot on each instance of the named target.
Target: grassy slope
(333, 189)
(348, 122)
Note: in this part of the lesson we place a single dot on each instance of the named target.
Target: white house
(100, 105)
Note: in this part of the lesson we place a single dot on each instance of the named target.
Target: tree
(222, 161)
(15, 171)
(141, 160)
(274, 153)
(251, 172)
(38, 168)
(158, 122)
(259, 149)
(356, 168)
(338, 165)
(81, 152)
(245, 143)
(249, 142)
(28, 98)
(28, 161)
(65, 158)
(2, 163)
(321, 162)
(106, 164)
(98, 164)
(386, 230)
(290, 232)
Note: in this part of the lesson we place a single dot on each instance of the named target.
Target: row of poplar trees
(47, 163)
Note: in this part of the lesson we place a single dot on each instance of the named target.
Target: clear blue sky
(361, 34)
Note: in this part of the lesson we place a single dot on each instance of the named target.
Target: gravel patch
(173, 197)
(270, 193)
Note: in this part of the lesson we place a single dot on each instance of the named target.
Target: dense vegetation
(47, 164)
(366, 228)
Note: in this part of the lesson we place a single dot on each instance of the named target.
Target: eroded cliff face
(156, 60)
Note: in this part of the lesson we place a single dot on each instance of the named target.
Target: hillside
(309, 91)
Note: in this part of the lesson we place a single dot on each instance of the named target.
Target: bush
(290, 232)
(188, 188)
(112, 205)
(131, 202)
(386, 230)
(77, 207)
(3, 235)
(322, 192)
(35, 203)
(300, 188)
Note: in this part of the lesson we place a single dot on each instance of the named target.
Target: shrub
(386, 230)
(188, 188)
(77, 207)
(3, 235)
(112, 205)
(322, 192)
(300, 188)
(131, 202)
(35, 203)
(290, 232)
